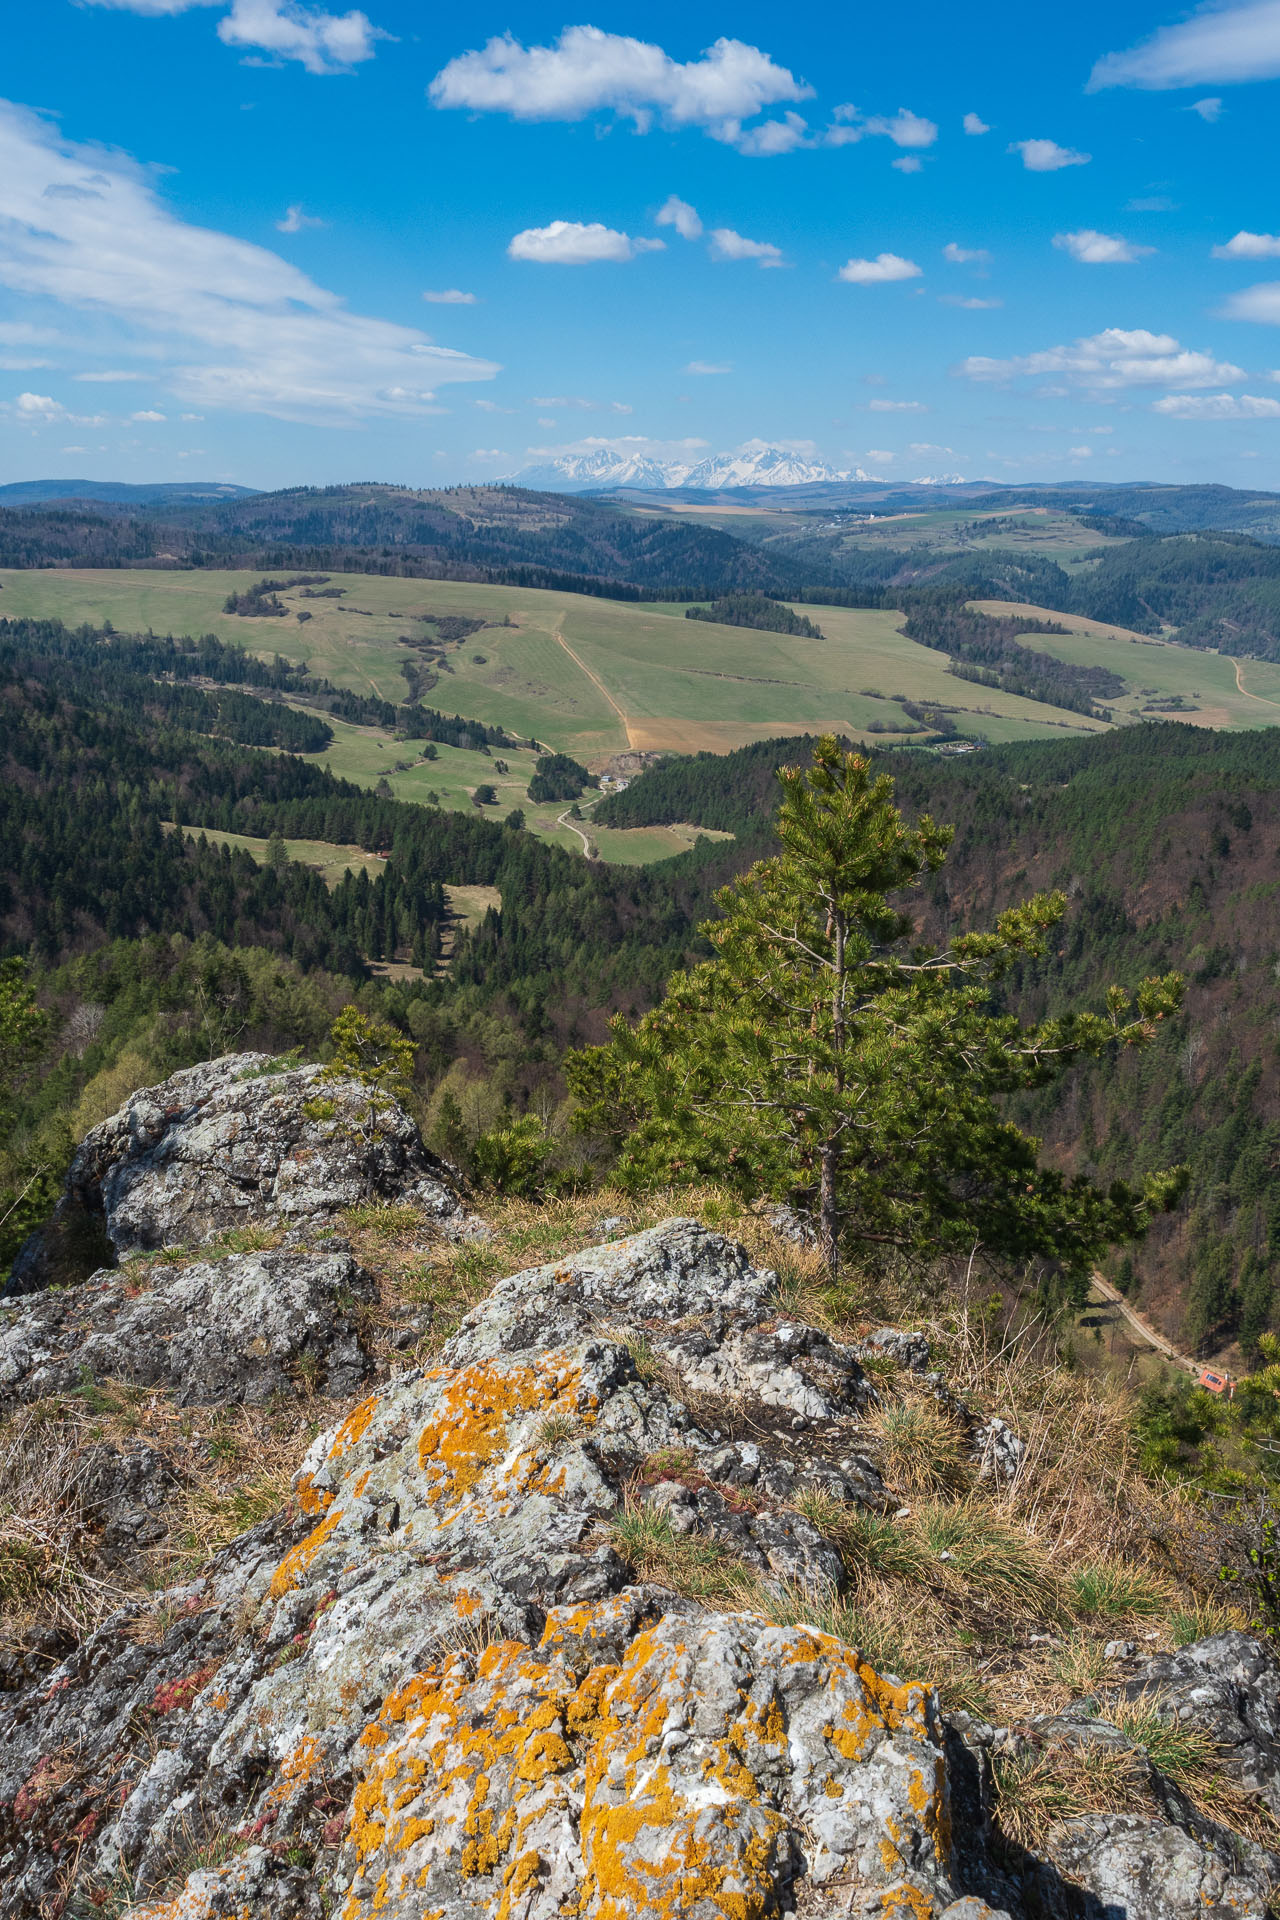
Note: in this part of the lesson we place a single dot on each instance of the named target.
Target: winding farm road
(563, 820)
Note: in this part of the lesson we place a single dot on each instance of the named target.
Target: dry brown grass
(49, 1574)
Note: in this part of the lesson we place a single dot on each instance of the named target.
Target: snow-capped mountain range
(755, 465)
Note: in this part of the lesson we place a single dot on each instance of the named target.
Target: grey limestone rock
(1229, 1688)
(229, 1144)
(910, 1350)
(435, 1686)
(217, 1331)
(999, 1452)
(1145, 1869)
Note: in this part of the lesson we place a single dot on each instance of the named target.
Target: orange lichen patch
(470, 1766)
(354, 1426)
(312, 1499)
(293, 1568)
(469, 1431)
(297, 1770)
(466, 1603)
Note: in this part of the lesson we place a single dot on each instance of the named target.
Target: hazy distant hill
(504, 534)
(28, 493)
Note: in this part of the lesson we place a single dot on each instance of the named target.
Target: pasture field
(1221, 691)
(584, 675)
(590, 677)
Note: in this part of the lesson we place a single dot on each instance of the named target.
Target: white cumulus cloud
(964, 256)
(1217, 44)
(728, 245)
(904, 128)
(974, 125)
(1218, 406)
(231, 325)
(1209, 110)
(590, 71)
(571, 243)
(1046, 156)
(449, 297)
(1114, 359)
(885, 266)
(1250, 246)
(147, 414)
(677, 213)
(1096, 249)
(323, 42)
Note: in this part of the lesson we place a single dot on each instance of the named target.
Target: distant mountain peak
(757, 464)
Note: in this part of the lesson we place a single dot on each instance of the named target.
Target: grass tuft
(919, 1448)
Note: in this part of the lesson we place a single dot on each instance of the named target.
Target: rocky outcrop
(1229, 1689)
(226, 1145)
(451, 1682)
(216, 1332)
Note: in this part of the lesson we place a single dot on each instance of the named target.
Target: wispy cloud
(958, 256)
(449, 297)
(590, 71)
(566, 402)
(231, 325)
(1210, 110)
(1094, 249)
(571, 243)
(968, 302)
(1260, 303)
(1218, 44)
(904, 128)
(1046, 156)
(1115, 358)
(885, 266)
(296, 221)
(896, 406)
(1218, 406)
(728, 245)
(709, 366)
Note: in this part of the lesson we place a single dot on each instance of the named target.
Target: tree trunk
(828, 1219)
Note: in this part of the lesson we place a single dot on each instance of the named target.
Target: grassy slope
(677, 687)
(1207, 680)
(592, 676)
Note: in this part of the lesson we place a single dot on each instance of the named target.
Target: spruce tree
(826, 1056)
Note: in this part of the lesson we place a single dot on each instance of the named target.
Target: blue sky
(676, 229)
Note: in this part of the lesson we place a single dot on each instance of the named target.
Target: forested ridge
(503, 535)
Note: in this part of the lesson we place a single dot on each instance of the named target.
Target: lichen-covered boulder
(238, 1329)
(228, 1144)
(699, 1768)
(476, 1502)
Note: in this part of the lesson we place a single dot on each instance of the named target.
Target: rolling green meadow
(593, 677)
